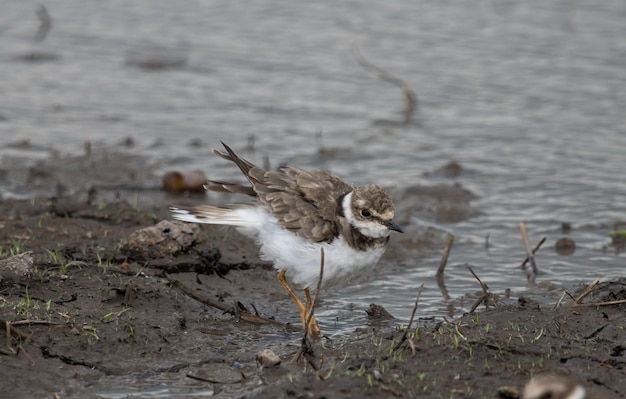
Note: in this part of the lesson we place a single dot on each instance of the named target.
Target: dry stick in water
(446, 252)
(539, 244)
(409, 94)
(305, 348)
(532, 273)
(442, 266)
(408, 328)
(45, 23)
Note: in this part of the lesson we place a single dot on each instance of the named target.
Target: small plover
(295, 215)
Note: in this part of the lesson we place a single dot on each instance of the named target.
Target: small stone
(195, 181)
(166, 238)
(173, 182)
(565, 246)
(267, 358)
(377, 312)
(16, 267)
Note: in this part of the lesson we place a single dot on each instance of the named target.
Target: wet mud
(89, 316)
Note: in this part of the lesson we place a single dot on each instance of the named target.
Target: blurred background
(520, 117)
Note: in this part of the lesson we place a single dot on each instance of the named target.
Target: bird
(300, 217)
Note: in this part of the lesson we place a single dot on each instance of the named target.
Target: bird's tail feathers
(209, 214)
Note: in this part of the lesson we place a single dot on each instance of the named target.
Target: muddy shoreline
(93, 319)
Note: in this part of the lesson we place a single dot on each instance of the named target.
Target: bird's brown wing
(306, 203)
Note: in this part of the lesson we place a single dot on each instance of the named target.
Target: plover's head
(553, 387)
(370, 210)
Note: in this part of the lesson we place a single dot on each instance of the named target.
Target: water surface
(528, 97)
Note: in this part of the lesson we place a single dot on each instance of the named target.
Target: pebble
(267, 358)
(173, 182)
(565, 246)
(16, 267)
(191, 182)
(166, 238)
(195, 181)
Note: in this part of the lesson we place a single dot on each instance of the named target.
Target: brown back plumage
(306, 203)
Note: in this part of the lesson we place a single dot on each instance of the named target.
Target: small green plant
(539, 335)
(64, 266)
(103, 263)
(16, 248)
(131, 330)
(330, 371)
(110, 316)
(25, 305)
(91, 331)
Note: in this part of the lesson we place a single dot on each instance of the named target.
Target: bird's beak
(394, 226)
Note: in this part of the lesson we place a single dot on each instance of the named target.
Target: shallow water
(528, 97)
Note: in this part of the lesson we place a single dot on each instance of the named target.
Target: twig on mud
(410, 98)
(576, 301)
(30, 322)
(539, 244)
(305, 348)
(8, 335)
(558, 304)
(408, 328)
(607, 303)
(586, 292)
(10, 332)
(212, 380)
(531, 273)
(487, 295)
(243, 315)
(127, 293)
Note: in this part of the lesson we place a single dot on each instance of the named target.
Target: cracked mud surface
(97, 319)
(91, 320)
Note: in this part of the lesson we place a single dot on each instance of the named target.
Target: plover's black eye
(365, 213)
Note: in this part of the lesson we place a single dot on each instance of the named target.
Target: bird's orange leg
(314, 329)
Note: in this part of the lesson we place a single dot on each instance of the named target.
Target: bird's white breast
(301, 258)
